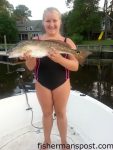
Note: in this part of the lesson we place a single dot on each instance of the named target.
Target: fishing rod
(22, 84)
(20, 71)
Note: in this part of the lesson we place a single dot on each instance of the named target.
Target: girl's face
(52, 23)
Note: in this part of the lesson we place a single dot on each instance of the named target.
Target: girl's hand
(29, 60)
(55, 55)
(27, 56)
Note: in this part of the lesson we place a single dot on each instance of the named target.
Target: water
(94, 80)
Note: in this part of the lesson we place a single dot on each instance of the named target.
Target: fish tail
(82, 56)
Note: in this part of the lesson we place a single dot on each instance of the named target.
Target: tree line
(8, 17)
(82, 22)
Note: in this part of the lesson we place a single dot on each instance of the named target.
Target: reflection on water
(93, 80)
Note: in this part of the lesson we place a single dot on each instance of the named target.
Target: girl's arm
(71, 63)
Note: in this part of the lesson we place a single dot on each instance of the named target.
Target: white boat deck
(88, 120)
(19, 134)
(28, 138)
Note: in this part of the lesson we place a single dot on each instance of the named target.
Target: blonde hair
(51, 9)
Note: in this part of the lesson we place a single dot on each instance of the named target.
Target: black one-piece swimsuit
(49, 73)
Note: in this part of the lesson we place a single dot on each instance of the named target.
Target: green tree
(8, 18)
(69, 3)
(84, 18)
(6, 6)
(8, 28)
(111, 23)
(7, 23)
(21, 12)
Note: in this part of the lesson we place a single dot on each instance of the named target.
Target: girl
(52, 76)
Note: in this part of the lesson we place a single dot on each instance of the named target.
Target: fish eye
(78, 52)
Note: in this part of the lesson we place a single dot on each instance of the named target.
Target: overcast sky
(37, 6)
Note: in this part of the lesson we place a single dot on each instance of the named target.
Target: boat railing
(3, 46)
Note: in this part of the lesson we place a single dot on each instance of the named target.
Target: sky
(38, 6)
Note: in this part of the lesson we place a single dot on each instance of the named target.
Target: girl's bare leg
(45, 99)
(60, 98)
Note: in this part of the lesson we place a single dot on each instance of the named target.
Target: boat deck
(19, 133)
(28, 138)
(87, 118)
